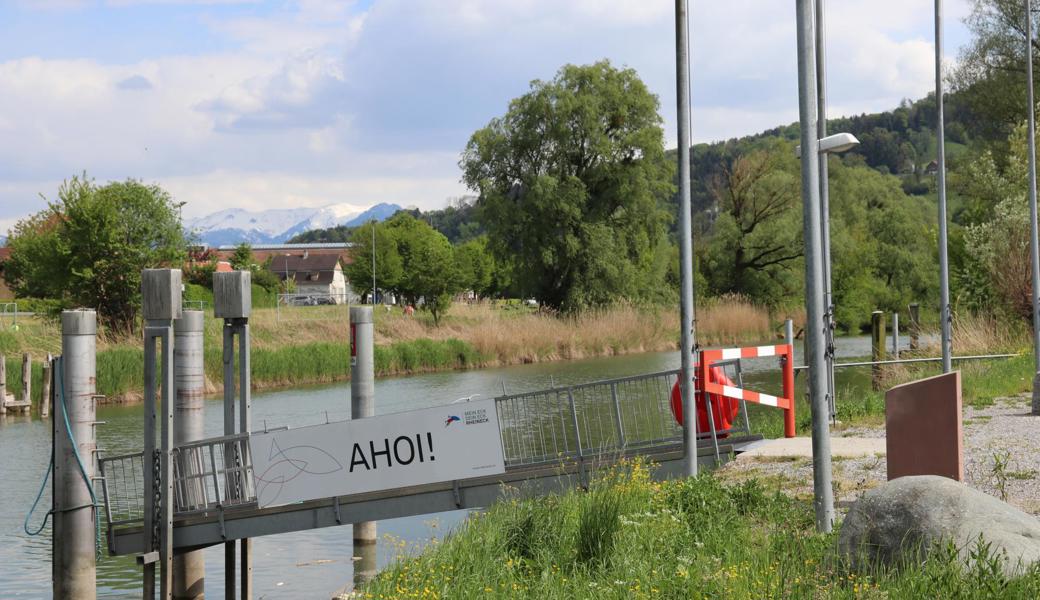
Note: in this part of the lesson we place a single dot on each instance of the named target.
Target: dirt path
(1001, 458)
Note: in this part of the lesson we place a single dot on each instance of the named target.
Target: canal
(311, 564)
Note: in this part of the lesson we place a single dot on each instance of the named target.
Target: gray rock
(901, 521)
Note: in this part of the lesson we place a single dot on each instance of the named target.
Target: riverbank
(308, 345)
(629, 537)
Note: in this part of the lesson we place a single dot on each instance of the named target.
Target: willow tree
(571, 182)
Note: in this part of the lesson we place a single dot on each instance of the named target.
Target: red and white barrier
(705, 385)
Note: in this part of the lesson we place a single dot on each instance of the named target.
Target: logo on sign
(451, 419)
(476, 416)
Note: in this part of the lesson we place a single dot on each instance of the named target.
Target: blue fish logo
(451, 419)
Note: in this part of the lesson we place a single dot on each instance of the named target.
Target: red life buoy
(724, 410)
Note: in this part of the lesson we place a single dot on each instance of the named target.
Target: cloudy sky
(295, 103)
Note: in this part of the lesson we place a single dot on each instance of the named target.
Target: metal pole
(687, 319)
(232, 302)
(189, 569)
(363, 405)
(245, 545)
(945, 316)
(1034, 243)
(74, 514)
(45, 392)
(373, 262)
(825, 202)
(816, 325)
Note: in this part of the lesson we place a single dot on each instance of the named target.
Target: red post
(788, 383)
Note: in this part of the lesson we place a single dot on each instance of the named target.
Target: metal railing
(217, 472)
(602, 417)
(208, 474)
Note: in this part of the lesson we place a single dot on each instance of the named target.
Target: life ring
(724, 410)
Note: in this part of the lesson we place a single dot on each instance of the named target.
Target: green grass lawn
(631, 537)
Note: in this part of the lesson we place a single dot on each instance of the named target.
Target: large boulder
(903, 520)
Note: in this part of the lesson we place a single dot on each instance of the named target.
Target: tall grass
(629, 537)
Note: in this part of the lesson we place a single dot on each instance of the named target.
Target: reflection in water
(309, 563)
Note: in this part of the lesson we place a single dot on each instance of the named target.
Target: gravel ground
(1001, 458)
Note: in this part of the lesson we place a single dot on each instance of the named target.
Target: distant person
(409, 310)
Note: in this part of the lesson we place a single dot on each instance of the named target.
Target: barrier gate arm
(785, 402)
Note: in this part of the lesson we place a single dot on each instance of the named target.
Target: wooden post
(915, 325)
(27, 381)
(3, 384)
(45, 395)
(877, 346)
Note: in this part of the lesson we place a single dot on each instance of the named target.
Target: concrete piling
(915, 325)
(189, 569)
(74, 514)
(362, 405)
(895, 336)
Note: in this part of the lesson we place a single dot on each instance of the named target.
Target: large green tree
(571, 180)
(388, 259)
(428, 269)
(755, 244)
(89, 247)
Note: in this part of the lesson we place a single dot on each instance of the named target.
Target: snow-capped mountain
(235, 225)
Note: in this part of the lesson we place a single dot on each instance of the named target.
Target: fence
(216, 473)
(313, 306)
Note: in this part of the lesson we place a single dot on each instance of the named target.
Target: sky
(294, 103)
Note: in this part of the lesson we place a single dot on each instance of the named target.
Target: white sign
(350, 457)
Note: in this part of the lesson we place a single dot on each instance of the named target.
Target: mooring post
(232, 302)
(895, 336)
(75, 516)
(27, 381)
(877, 346)
(362, 405)
(3, 384)
(160, 305)
(189, 569)
(45, 390)
(915, 325)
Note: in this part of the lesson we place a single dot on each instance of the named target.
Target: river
(310, 564)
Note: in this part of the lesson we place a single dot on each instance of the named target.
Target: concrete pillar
(189, 569)
(362, 405)
(895, 336)
(74, 517)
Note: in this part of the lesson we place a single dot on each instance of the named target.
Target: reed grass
(630, 537)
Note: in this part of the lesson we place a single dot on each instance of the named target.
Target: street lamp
(832, 144)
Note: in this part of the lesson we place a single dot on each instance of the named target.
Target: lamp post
(945, 316)
(1034, 243)
(373, 263)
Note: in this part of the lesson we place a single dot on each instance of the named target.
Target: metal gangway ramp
(551, 439)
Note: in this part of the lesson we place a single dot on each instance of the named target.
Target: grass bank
(629, 537)
(305, 345)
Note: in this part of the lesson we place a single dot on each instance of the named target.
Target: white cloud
(322, 101)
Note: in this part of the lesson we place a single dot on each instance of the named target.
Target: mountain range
(235, 225)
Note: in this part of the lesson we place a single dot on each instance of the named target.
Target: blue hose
(59, 366)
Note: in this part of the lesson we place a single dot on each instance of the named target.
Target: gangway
(551, 439)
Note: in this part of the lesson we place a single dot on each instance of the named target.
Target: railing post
(73, 541)
(189, 569)
(160, 305)
(232, 302)
(877, 346)
(363, 405)
(915, 325)
(617, 414)
(46, 398)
